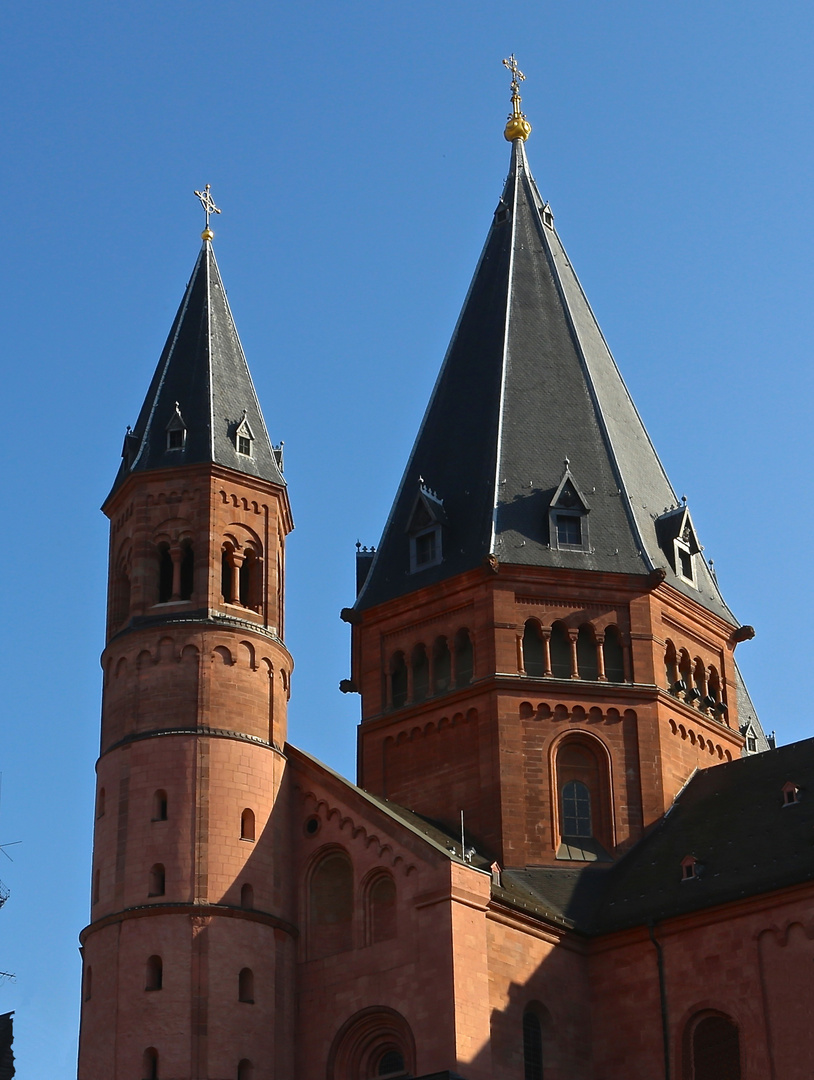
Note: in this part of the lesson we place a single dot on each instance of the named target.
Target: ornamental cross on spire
(208, 203)
(518, 126)
(517, 74)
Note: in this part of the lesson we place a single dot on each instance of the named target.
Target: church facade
(538, 642)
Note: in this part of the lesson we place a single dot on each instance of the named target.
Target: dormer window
(750, 739)
(425, 529)
(690, 868)
(568, 516)
(176, 431)
(569, 531)
(791, 794)
(244, 437)
(678, 541)
(684, 566)
(426, 547)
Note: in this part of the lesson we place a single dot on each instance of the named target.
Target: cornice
(198, 911)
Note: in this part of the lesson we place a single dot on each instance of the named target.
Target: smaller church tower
(189, 916)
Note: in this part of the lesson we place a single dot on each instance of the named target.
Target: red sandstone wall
(751, 961)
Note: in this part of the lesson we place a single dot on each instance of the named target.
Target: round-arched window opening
(312, 826)
(391, 1063)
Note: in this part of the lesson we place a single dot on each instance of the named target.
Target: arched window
(614, 656)
(583, 783)
(149, 1065)
(671, 665)
(245, 1070)
(155, 974)
(245, 986)
(382, 909)
(88, 983)
(164, 574)
(464, 659)
(160, 805)
(100, 803)
(586, 654)
(576, 809)
(247, 896)
(714, 1048)
(421, 673)
(249, 580)
(330, 906)
(156, 880)
(398, 680)
(684, 671)
(441, 666)
(391, 1063)
(699, 677)
(533, 660)
(247, 824)
(560, 652)
(187, 573)
(226, 576)
(532, 1046)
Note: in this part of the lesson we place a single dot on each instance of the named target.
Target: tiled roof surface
(731, 818)
(527, 382)
(203, 369)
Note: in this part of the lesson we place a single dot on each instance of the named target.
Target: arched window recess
(568, 515)
(425, 529)
(242, 573)
(582, 778)
(176, 570)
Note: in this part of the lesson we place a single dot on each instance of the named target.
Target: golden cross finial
(208, 203)
(518, 126)
(517, 74)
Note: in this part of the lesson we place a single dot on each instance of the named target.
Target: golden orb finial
(208, 203)
(517, 126)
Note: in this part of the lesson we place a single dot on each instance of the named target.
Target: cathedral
(570, 850)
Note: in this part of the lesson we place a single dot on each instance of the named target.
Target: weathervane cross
(208, 203)
(517, 74)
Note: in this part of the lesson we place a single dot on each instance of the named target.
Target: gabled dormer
(425, 528)
(176, 430)
(244, 436)
(679, 541)
(568, 515)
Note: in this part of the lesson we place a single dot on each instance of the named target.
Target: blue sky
(357, 154)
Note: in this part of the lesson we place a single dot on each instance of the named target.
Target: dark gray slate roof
(731, 818)
(527, 382)
(203, 369)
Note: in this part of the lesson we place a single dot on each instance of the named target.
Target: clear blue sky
(357, 154)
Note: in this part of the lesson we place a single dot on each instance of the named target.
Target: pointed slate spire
(202, 406)
(528, 382)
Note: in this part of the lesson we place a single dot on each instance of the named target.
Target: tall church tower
(538, 640)
(189, 907)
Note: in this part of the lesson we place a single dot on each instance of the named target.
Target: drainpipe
(665, 1022)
